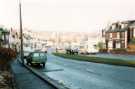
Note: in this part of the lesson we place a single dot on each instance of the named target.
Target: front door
(114, 44)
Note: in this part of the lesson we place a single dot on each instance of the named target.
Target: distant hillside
(66, 36)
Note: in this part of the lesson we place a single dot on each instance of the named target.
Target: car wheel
(31, 64)
(27, 63)
(43, 65)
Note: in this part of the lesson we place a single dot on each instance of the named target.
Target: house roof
(117, 30)
(130, 23)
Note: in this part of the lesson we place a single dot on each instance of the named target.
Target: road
(87, 75)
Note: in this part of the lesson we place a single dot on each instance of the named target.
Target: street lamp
(21, 31)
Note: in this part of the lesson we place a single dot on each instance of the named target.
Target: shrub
(103, 50)
(100, 45)
(120, 49)
(6, 55)
(132, 41)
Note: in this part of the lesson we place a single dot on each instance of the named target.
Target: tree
(100, 45)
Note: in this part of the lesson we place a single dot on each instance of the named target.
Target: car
(36, 58)
(72, 51)
(83, 51)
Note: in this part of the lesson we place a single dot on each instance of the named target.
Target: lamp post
(21, 31)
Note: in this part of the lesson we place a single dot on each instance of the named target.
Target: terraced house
(119, 34)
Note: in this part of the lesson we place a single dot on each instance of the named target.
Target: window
(118, 35)
(42, 54)
(122, 35)
(36, 55)
(110, 35)
(122, 26)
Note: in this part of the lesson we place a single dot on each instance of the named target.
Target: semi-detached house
(119, 34)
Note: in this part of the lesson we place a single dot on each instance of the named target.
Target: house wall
(116, 40)
(118, 35)
(134, 32)
(114, 35)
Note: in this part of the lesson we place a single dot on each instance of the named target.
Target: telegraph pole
(21, 31)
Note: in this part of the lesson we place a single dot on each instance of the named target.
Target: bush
(103, 50)
(120, 49)
(6, 56)
(100, 45)
(132, 41)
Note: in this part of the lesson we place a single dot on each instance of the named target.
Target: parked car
(88, 51)
(36, 58)
(72, 51)
(83, 51)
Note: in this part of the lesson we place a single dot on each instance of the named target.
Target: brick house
(119, 34)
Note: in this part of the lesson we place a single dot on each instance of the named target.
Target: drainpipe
(126, 39)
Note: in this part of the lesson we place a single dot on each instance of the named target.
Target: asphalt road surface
(87, 75)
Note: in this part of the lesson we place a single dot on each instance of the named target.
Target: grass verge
(111, 61)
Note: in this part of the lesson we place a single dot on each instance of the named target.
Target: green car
(36, 58)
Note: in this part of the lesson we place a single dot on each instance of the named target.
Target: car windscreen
(39, 55)
(35, 54)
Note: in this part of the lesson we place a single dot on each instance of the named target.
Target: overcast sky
(66, 15)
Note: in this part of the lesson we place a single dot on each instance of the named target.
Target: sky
(66, 15)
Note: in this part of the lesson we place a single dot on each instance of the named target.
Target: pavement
(24, 79)
(86, 75)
